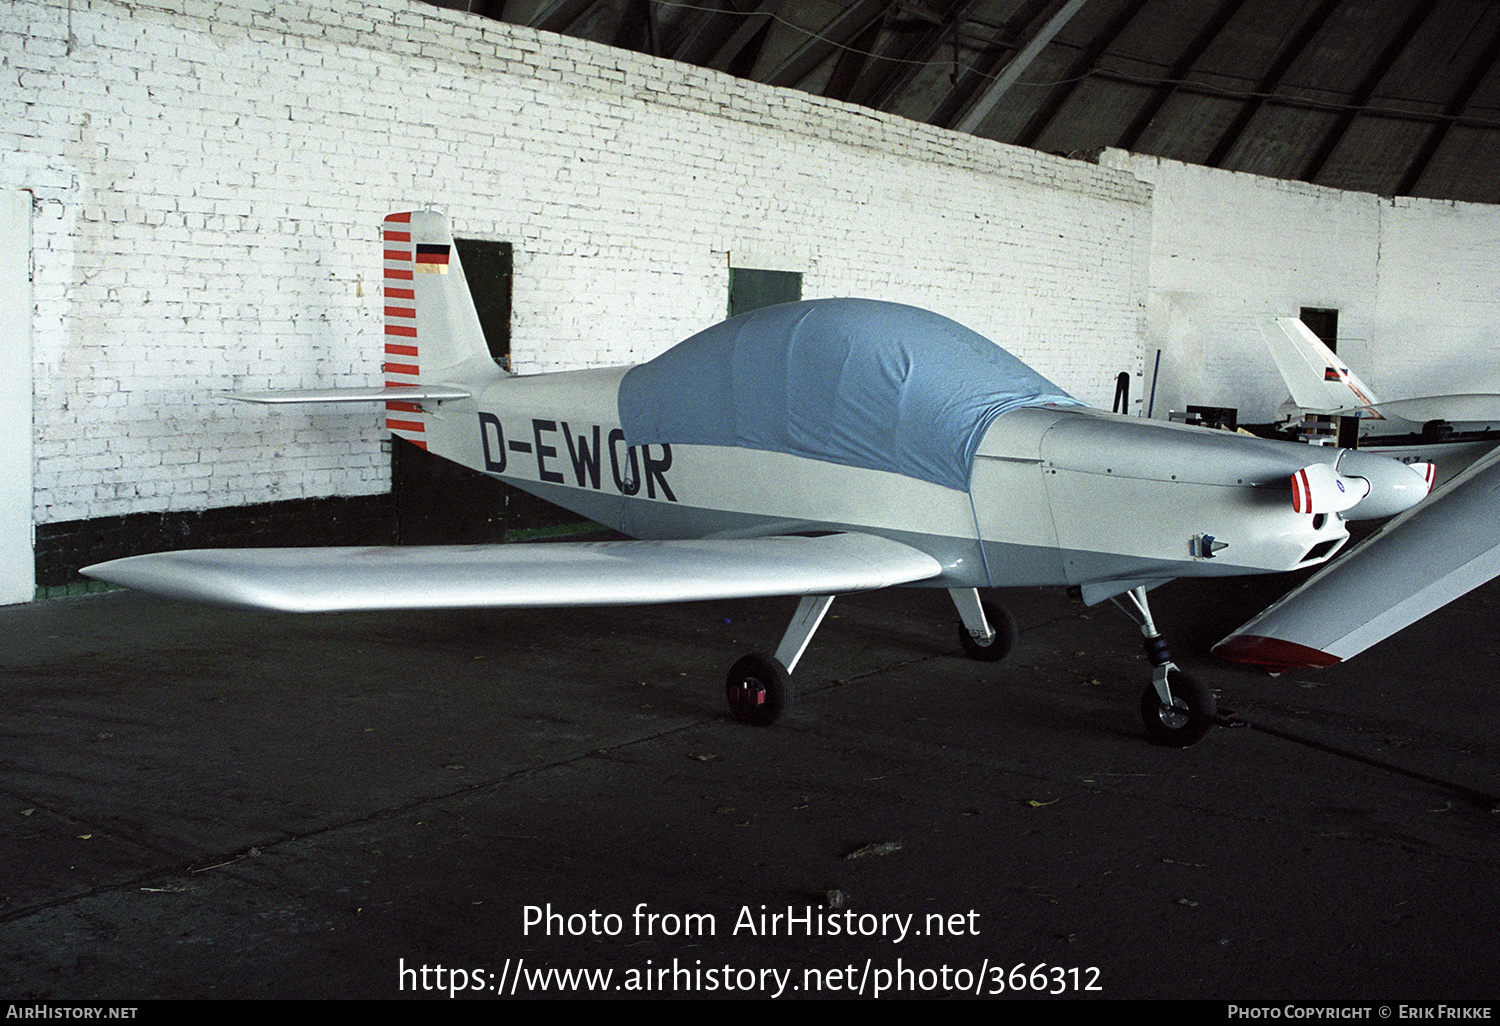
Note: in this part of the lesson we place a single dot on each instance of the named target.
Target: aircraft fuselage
(1044, 480)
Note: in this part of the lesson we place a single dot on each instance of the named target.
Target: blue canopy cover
(852, 381)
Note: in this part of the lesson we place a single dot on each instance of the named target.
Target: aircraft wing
(1462, 412)
(1436, 551)
(309, 580)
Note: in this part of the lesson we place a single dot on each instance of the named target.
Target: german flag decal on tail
(432, 259)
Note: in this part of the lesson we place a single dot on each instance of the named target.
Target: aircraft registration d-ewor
(809, 449)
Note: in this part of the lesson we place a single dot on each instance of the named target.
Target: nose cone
(1394, 486)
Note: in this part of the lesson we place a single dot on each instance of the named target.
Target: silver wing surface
(522, 575)
(1427, 557)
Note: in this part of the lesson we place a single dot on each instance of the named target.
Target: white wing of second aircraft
(532, 575)
(1477, 411)
(1425, 558)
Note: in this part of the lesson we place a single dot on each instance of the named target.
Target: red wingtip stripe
(1273, 654)
(405, 425)
(403, 218)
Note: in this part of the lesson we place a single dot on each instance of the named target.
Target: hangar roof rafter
(1394, 97)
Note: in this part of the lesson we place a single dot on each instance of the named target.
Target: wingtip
(1272, 654)
(100, 571)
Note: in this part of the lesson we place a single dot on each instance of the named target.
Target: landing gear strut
(1176, 707)
(759, 686)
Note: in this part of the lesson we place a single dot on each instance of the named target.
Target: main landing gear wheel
(999, 646)
(1187, 719)
(759, 690)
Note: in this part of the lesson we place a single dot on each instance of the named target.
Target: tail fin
(434, 346)
(1318, 380)
(431, 327)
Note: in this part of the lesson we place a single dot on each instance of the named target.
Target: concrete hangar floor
(210, 804)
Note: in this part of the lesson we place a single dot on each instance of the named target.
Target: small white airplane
(1448, 431)
(808, 449)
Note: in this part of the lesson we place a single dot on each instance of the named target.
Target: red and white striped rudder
(431, 326)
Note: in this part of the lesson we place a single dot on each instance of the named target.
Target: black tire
(1006, 633)
(759, 690)
(1191, 714)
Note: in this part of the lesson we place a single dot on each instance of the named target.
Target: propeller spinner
(1361, 486)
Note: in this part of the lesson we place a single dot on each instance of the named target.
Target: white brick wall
(1416, 283)
(1437, 311)
(209, 178)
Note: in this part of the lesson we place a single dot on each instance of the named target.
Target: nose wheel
(1177, 708)
(1183, 718)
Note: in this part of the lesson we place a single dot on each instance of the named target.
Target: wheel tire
(1006, 633)
(759, 690)
(1188, 718)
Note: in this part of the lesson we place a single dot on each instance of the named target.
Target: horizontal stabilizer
(549, 574)
(374, 394)
(1419, 562)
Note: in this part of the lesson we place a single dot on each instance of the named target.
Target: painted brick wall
(1416, 283)
(209, 179)
(1437, 310)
